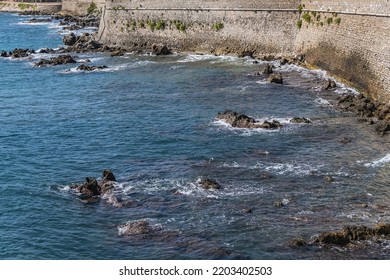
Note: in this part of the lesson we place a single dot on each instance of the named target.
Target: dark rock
(247, 210)
(84, 67)
(276, 78)
(69, 39)
(20, 53)
(136, 228)
(329, 84)
(243, 121)
(268, 69)
(4, 54)
(63, 59)
(46, 50)
(299, 120)
(298, 242)
(345, 140)
(269, 125)
(160, 50)
(335, 238)
(39, 20)
(278, 204)
(89, 188)
(108, 175)
(328, 179)
(209, 184)
(383, 127)
(382, 229)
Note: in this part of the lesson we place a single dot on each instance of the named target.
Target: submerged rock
(136, 228)
(209, 184)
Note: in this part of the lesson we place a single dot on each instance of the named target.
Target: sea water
(152, 120)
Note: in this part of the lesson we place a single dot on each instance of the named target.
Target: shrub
(92, 7)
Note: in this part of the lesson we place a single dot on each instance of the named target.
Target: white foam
(322, 102)
(379, 163)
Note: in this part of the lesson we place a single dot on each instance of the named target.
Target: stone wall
(347, 38)
(350, 40)
(80, 7)
(11, 6)
(220, 27)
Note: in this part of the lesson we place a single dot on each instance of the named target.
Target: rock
(345, 140)
(336, 238)
(117, 53)
(4, 54)
(90, 188)
(108, 175)
(247, 210)
(20, 53)
(268, 69)
(299, 120)
(269, 125)
(209, 184)
(298, 242)
(383, 127)
(135, 228)
(160, 50)
(84, 67)
(276, 79)
(243, 121)
(328, 179)
(329, 84)
(39, 20)
(46, 50)
(278, 204)
(63, 59)
(69, 39)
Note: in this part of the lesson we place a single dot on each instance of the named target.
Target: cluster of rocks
(72, 22)
(243, 121)
(347, 235)
(17, 53)
(371, 111)
(89, 68)
(92, 188)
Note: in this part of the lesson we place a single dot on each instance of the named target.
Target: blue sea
(152, 121)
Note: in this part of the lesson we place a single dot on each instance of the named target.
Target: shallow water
(152, 121)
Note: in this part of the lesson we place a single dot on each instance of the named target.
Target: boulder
(136, 228)
(62, 59)
(329, 84)
(299, 120)
(275, 78)
(243, 121)
(160, 50)
(69, 39)
(20, 53)
(4, 54)
(268, 69)
(269, 125)
(84, 67)
(90, 188)
(209, 184)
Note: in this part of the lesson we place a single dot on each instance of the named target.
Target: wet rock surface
(347, 235)
(209, 184)
(243, 121)
(373, 112)
(59, 60)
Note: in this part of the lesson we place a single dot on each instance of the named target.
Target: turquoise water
(152, 121)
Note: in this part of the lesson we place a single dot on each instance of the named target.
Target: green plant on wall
(337, 21)
(218, 26)
(92, 8)
(306, 17)
(299, 24)
(180, 25)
